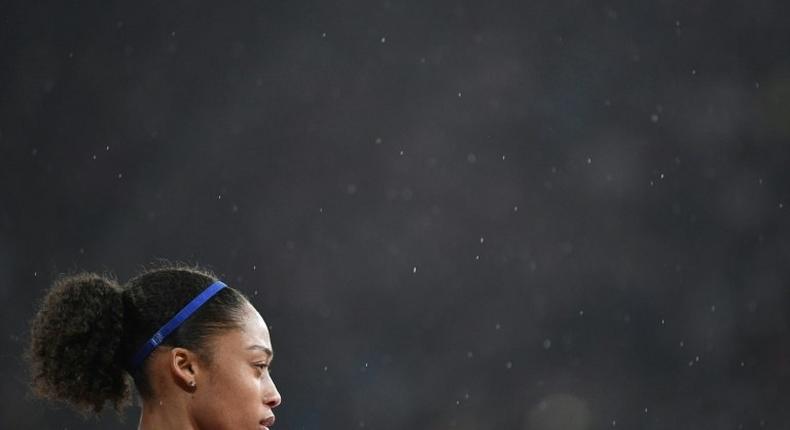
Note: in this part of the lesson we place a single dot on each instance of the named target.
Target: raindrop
(547, 344)
(482, 239)
(654, 118)
(414, 269)
(589, 160)
(384, 39)
(471, 158)
(515, 208)
(120, 175)
(459, 94)
(509, 365)
(323, 35)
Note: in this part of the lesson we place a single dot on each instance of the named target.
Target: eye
(263, 366)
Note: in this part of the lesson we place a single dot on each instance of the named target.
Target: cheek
(231, 400)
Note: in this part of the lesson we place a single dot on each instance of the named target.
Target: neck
(164, 414)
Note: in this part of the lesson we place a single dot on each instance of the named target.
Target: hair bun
(75, 338)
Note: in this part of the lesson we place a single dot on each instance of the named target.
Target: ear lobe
(184, 366)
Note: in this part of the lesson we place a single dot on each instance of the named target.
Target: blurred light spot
(559, 412)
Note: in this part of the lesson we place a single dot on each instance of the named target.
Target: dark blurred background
(454, 215)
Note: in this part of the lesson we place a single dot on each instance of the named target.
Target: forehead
(251, 333)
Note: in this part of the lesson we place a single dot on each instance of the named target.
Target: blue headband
(174, 322)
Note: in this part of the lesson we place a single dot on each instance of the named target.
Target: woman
(197, 351)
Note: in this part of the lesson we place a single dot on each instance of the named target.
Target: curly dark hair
(89, 326)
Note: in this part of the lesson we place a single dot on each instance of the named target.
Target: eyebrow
(268, 351)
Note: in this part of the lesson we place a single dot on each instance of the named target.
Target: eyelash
(263, 366)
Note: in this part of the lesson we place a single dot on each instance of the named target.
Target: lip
(266, 423)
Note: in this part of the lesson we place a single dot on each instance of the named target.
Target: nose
(273, 398)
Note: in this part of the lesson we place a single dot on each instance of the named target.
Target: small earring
(192, 384)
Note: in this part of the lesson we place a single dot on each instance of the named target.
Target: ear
(185, 367)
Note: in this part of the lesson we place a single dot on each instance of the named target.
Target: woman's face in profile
(237, 392)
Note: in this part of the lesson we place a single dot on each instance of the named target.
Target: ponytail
(75, 341)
